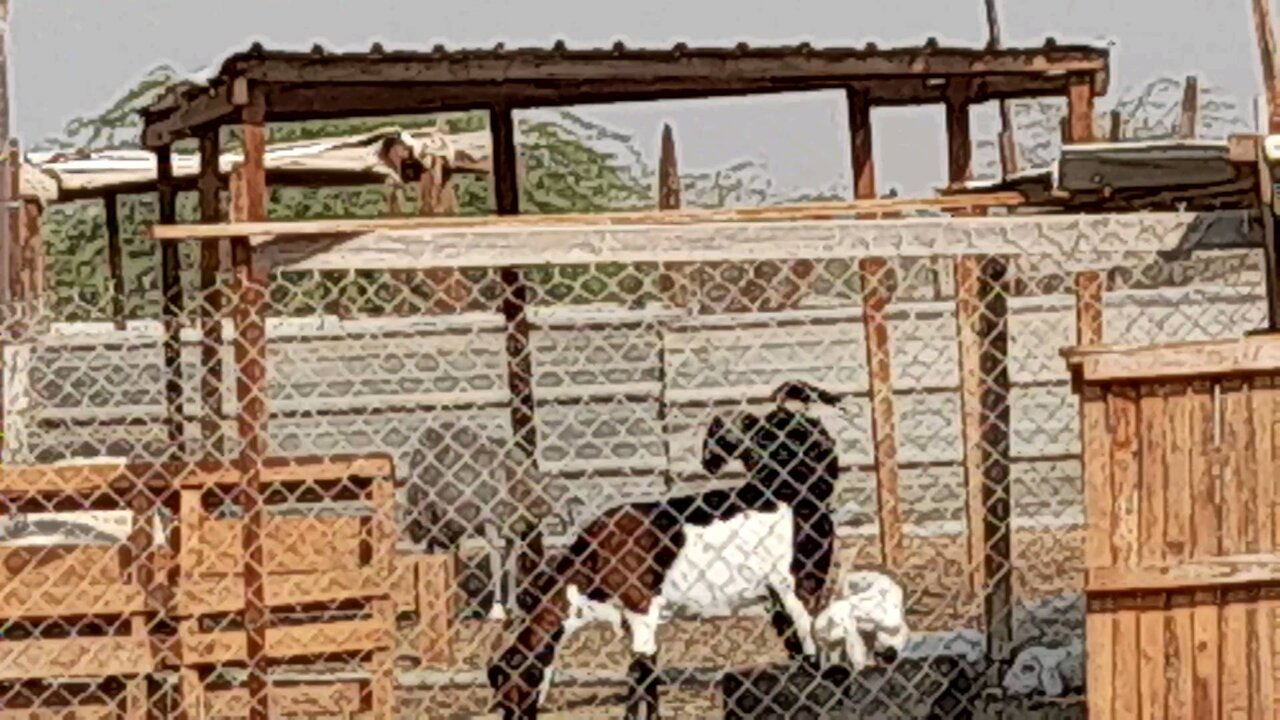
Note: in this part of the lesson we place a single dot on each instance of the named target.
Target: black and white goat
(769, 539)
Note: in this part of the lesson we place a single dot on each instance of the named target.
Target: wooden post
(171, 302)
(668, 172)
(877, 290)
(864, 165)
(1008, 143)
(1270, 247)
(210, 186)
(523, 458)
(115, 258)
(1189, 117)
(993, 329)
(1267, 51)
(1089, 288)
(31, 212)
(959, 143)
(249, 318)
(968, 314)
(1116, 133)
(13, 221)
(1080, 110)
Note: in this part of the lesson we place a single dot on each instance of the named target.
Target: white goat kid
(866, 619)
(1047, 671)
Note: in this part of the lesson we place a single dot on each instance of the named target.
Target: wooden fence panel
(1182, 576)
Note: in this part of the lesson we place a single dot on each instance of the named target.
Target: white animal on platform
(1047, 671)
(866, 617)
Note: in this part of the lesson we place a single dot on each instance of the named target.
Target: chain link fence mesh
(387, 522)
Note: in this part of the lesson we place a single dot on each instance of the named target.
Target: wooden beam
(211, 376)
(171, 294)
(1189, 114)
(1080, 94)
(864, 166)
(959, 142)
(1267, 52)
(1170, 361)
(878, 280)
(115, 259)
(808, 212)
(968, 316)
(208, 110)
(1203, 573)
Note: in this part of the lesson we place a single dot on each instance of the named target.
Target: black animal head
(515, 678)
(801, 391)
(726, 441)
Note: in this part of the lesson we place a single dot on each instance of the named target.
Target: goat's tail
(517, 674)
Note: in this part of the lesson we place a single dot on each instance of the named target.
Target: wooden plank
(320, 699)
(193, 704)
(877, 280)
(115, 259)
(1206, 667)
(283, 643)
(1177, 495)
(45, 566)
(863, 149)
(1095, 425)
(1262, 416)
(81, 712)
(1262, 681)
(1127, 667)
(1122, 409)
(436, 588)
(1180, 661)
(1208, 572)
(1235, 632)
(685, 216)
(1177, 360)
(290, 545)
(1154, 454)
(74, 657)
(51, 601)
(1236, 490)
(1204, 474)
(968, 309)
(1100, 660)
(1189, 111)
(211, 595)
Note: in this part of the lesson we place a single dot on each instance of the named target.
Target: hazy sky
(72, 57)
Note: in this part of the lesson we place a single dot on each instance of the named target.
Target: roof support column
(115, 258)
(959, 143)
(171, 298)
(249, 318)
(864, 166)
(522, 459)
(1080, 110)
(211, 376)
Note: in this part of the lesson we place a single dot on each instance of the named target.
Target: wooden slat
(814, 211)
(205, 595)
(877, 282)
(1236, 488)
(1122, 408)
(1235, 632)
(1257, 354)
(335, 638)
(50, 601)
(437, 610)
(1097, 479)
(77, 657)
(1206, 666)
(1180, 662)
(292, 545)
(1262, 689)
(81, 712)
(309, 700)
(1127, 667)
(1100, 659)
(39, 567)
(1204, 472)
(967, 313)
(1211, 572)
(1262, 417)
(1179, 642)
(1155, 455)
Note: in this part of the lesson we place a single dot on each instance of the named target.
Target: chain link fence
(380, 526)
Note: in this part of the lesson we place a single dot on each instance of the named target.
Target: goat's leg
(642, 699)
(800, 623)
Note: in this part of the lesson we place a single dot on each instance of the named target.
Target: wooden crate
(312, 560)
(45, 587)
(1180, 485)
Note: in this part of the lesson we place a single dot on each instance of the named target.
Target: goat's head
(868, 615)
(728, 439)
(397, 154)
(799, 395)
